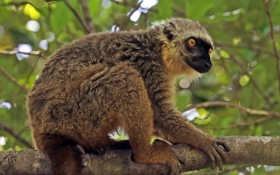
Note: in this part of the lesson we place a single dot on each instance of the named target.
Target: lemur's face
(186, 47)
(196, 54)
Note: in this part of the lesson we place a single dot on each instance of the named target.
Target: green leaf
(197, 8)
(38, 3)
(165, 9)
(224, 54)
(20, 38)
(258, 131)
(182, 100)
(60, 16)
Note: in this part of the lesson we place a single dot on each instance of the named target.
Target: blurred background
(239, 96)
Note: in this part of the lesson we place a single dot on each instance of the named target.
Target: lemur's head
(186, 47)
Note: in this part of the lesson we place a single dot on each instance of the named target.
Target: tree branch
(227, 104)
(127, 19)
(179, 11)
(14, 52)
(88, 19)
(266, 2)
(15, 135)
(13, 79)
(77, 16)
(244, 45)
(244, 150)
(17, 4)
(253, 81)
(248, 124)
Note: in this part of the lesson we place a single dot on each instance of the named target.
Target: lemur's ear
(167, 30)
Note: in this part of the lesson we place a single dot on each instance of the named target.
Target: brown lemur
(103, 81)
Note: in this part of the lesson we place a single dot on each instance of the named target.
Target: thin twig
(266, 2)
(13, 79)
(25, 128)
(244, 69)
(14, 134)
(227, 170)
(88, 18)
(244, 45)
(124, 3)
(234, 82)
(227, 104)
(179, 11)
(14, 52)
(77, 16)
(127, 19)
(17, 4)
(31, 71)
(260, 120)
(131, 4)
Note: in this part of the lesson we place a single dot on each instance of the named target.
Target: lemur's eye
(192, 42)
(210, 51)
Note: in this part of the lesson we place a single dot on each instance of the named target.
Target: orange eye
(191, 42)
(210, 51)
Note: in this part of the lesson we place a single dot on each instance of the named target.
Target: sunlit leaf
(244, 80)
(224, 54)
(202, 113)
(31, 12)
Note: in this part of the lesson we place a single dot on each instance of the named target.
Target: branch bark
(88, 18)
(77, 16)
(244, 150)
(266, 2)
(17, 136)
(13, 79)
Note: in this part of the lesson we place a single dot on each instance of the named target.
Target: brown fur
(103, 81)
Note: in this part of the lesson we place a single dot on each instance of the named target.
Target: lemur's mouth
(199, 64)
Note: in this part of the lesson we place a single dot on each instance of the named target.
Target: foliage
(246, 67)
